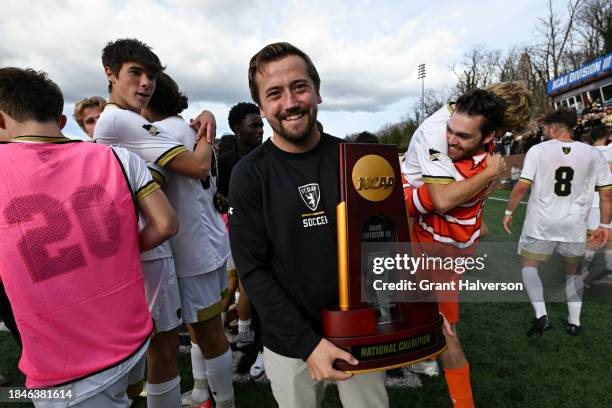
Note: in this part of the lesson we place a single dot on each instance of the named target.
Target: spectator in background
(515, 147)
(245, 121)
(366, 137)
(247, 125)
(86, 113)
(226, 144)
(507, 143)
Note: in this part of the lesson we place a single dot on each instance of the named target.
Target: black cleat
(539, 327)
(572, 329)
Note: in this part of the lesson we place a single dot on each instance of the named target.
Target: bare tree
(477, 69)
(555, 37)
(508, 65)
(594, 29)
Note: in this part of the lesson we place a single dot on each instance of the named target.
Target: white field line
(503, 199)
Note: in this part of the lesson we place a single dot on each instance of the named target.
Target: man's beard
(302, 137)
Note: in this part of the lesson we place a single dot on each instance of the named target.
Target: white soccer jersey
(607, 153)
(137, 172)
(427, 158)
(124, 128)
(563, 177)
(201, 245)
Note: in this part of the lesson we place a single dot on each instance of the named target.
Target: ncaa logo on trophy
(380, 332)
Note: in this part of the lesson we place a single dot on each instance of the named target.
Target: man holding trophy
(282, 220)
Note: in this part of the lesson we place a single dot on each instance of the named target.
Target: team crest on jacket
(311, 195)
(566, 149)
(153, 131)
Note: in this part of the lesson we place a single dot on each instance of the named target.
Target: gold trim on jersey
(603, 188)
(158, 177)
(525, 180)
(438, 180)
(169, 155)
(147, 189)
(451, 107)
(43, 139)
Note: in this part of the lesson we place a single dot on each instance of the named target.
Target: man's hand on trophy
(321, 360)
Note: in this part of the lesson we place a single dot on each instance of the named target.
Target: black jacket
(283, 235)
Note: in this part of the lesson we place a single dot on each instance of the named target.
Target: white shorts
(593, 221)
(201, 294)
(539, 250)
(162, 292)
(104, 389)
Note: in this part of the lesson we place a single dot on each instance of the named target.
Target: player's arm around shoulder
(446, 196)
(194, 164)
(197, 164)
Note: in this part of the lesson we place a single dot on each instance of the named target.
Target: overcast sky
(366, 52)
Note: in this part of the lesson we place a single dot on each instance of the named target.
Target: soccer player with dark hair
(200, 251)
(132, 69)
(563, 176)
(80, 308)
(469, 132)
(245, 121)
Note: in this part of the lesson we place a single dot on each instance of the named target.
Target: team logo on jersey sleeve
(434, 155)
(153, 131)
(566, 149)
(311, 195)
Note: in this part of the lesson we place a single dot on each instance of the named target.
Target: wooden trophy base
(380, 347)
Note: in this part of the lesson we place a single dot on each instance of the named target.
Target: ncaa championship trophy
(380, 334)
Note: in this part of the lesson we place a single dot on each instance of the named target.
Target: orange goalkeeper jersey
(459, 227)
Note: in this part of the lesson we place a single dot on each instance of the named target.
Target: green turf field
(508, 369)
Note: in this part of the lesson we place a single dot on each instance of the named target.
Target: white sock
(608, 257)
(573, 290)
(244, 325)
(219, 374)
(535, 291)
(586, 262)
(164, 395)
(198, 368)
